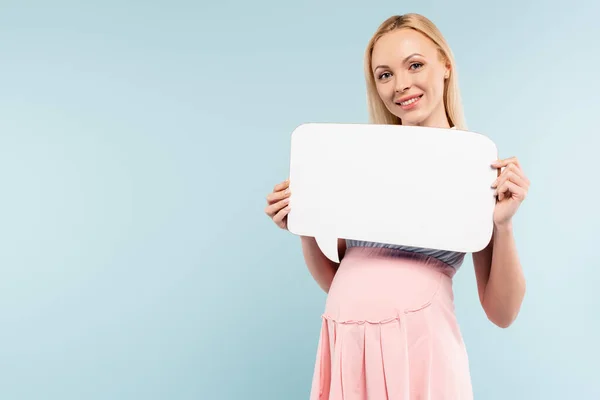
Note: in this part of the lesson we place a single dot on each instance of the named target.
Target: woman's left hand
(511, 189)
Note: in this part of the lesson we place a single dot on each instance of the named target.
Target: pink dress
(389, 331)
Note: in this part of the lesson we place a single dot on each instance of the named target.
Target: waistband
(390, 253)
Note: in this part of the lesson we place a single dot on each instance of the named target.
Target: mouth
(409, 102)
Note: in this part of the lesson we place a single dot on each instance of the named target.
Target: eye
(383, 76)
(416, 65)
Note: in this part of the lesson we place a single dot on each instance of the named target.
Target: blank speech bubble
(412, 186)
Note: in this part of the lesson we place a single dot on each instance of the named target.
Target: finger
(502, 190)
(505, 162)
(282, 185)
(517, 170)
(513, 189)
(513, 166)
(280, 191)
(281, 214)
(274, 208)
(279, 195)
(509, 175)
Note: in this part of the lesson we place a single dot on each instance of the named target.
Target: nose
(402, 84)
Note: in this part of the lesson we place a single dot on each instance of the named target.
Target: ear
(448, 70)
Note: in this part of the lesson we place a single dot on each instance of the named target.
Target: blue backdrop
(138, 141)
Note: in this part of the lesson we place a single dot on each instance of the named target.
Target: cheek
(384, 92)
(432, 85)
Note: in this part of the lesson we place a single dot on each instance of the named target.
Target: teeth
(405, 103)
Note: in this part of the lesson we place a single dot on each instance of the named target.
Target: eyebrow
(403, 61)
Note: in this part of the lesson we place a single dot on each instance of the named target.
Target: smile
(410, 101)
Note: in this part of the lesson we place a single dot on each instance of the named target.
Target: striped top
(452, 258)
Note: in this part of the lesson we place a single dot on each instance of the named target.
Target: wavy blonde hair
(378, 112)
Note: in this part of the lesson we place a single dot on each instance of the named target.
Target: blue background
(138, 141)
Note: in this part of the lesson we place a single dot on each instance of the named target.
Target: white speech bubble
(411, 186)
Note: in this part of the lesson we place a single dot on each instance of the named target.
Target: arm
(500, 279)
(320, 267)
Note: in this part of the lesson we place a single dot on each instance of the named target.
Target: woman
(389, 330)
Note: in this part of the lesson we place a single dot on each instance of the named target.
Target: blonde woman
(389, 330)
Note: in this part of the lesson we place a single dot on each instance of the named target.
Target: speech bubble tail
(329, 247)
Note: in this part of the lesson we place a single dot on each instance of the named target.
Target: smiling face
(410, 75)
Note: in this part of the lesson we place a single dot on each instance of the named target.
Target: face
(409, 75)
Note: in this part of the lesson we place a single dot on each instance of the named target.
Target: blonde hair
(378, 112)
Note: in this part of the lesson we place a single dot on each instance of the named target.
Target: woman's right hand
(278, 204)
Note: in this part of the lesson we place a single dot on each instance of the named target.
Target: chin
(413, 119)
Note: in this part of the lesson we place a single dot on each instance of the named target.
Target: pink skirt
(389, 331)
